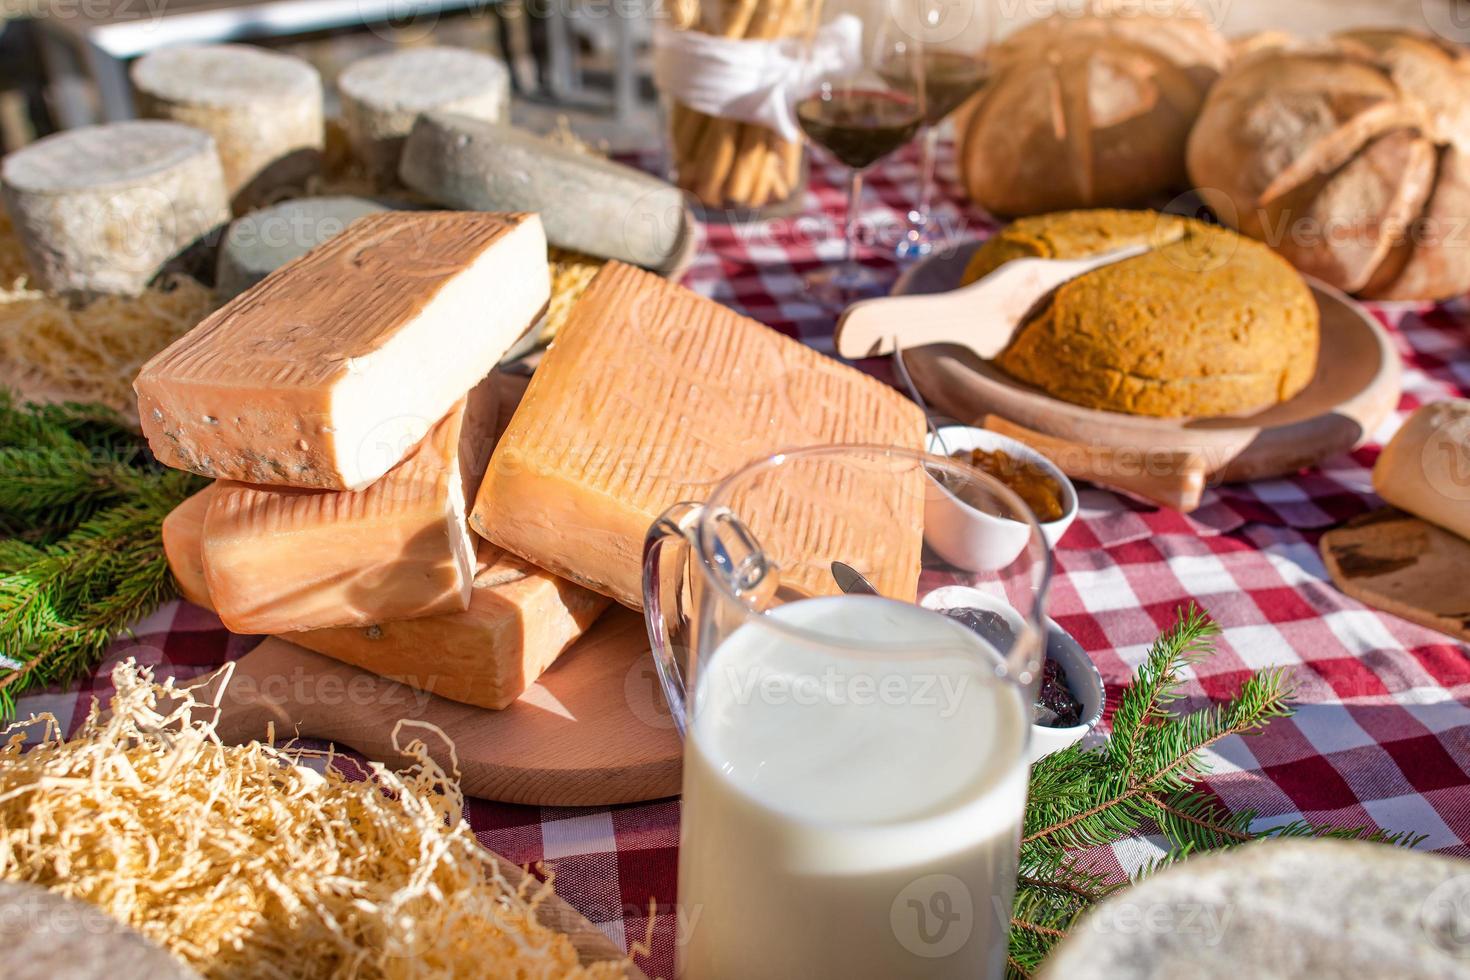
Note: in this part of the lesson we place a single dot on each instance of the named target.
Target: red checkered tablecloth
(1382, 732)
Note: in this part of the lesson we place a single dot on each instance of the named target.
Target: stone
(104, 209)
(384, 94)
(1349, 910)
(263, 241)
(587, 203)
(264, 110)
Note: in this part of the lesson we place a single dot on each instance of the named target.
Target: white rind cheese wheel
(1425, 468)
(103, 209)
(384, 94)
(263, 241)
(263, 109)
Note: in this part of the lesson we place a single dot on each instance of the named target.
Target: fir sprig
(1144, 779)
(81, 506)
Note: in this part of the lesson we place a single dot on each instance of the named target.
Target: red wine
(950, 77)
(861, 126)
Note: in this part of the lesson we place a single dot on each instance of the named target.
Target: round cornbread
(1207, 323)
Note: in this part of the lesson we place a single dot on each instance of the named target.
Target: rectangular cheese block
(650, 396)
(281, 559)
(520, 619)
(327, 373)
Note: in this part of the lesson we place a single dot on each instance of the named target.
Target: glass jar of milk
(855, 763)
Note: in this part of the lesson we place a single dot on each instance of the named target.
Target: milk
(846, 813)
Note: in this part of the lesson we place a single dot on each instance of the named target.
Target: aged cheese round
(263, 109)
(588, 204)
(1425, 468)
(103, 209)
(384, 94)
(263, 241)
(1207, 323)
(50, 937)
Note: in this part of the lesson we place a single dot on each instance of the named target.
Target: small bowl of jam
(976, 538)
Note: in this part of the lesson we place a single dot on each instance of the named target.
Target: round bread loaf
(1087, 111)
(1351, 159)
(1207, 323)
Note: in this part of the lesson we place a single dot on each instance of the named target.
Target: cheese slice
(650, 396)
(327, 373)
(280, 559)
(520, 619)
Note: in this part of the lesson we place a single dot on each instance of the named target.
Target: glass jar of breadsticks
(730, 158)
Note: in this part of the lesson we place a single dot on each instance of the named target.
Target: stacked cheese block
(343, 408)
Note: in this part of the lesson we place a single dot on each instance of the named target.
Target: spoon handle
(981, 316)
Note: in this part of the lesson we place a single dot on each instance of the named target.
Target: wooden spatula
(981, 316)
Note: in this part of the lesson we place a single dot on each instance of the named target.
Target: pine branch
(83, 504)
(1147, 776)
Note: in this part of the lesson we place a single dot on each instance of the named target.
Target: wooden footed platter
(1356, 386)
(1402, 565)
(593, 731)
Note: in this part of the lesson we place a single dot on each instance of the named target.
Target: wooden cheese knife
(981, 316)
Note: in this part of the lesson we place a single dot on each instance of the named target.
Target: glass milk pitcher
(855, 753)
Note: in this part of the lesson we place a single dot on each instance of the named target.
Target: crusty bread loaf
(1207, 323)
(1089, 111)
(1352, 159)
(1425, 468)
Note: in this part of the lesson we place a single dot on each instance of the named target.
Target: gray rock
(384, 94)
(104, 209)
(49, 937)
(587, 204)
(263, 241)
(1281, 909)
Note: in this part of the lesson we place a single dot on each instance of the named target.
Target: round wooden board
(593, 945)
(593, 731)
(1356, 386)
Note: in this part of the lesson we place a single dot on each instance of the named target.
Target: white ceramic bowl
(969, 538)
(1080, 673)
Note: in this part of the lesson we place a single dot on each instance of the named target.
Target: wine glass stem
(850, 223)
(919, 216)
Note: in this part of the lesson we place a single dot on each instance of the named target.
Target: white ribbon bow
(752, 81)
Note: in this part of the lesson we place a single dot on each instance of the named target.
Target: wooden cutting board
(594, 730)
(592, 944)
(1356, 386)
(1395, 562)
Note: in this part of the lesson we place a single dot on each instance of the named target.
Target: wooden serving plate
(593, 731)
(1398, 563)
(1356, 386)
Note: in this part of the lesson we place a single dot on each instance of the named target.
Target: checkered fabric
(1382, 733)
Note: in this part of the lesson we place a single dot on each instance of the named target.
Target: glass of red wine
(954, 38)
(859, 107)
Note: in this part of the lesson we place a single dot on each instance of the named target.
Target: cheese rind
(520, 619)
(327, 373)
(1425, 468)
(280, 559)
(652, 395)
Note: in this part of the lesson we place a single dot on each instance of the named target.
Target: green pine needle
(1143, 780)
(81, 507)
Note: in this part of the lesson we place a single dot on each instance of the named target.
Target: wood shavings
(53, 350)
(244, 863)
(571, 273)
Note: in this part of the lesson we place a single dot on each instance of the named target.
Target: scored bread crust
(1206, 323)
(1087, 111)
(1347, 158)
